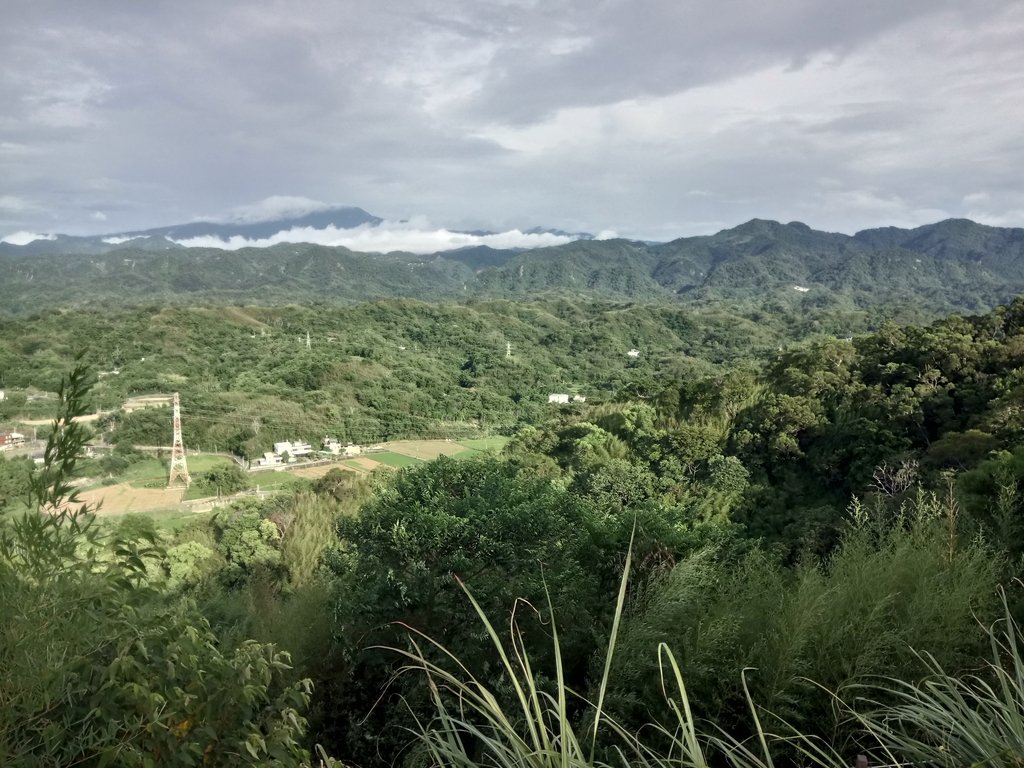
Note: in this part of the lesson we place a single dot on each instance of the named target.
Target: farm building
(294, 449)
(12, 439)
(335, 448)
(269, 459)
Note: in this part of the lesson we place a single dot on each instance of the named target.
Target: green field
(479, 445)
(152, 473)
(165, 521)
(394, 459)
(277, 480)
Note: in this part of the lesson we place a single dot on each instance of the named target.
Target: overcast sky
(652, 118)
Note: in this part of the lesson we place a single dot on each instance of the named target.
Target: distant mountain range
(304, 227)
(954, 265)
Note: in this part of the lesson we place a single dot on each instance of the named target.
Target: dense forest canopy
(383, 370)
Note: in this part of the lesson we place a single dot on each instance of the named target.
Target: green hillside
(954, 265)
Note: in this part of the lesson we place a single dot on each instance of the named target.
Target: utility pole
(179, 468)
(309, 344)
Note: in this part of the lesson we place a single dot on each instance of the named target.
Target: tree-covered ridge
(379, 370)
(824, 422)
(954, 265)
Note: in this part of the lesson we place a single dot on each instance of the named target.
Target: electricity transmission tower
(179, 468)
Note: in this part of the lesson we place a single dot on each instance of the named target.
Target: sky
(652, 119)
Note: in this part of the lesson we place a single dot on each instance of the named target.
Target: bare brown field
(314, 473)
(424, 449)
(368, 464)
(121, 498)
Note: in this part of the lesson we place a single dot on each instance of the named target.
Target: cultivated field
(423, 449)
(124, 497)
(138, 494)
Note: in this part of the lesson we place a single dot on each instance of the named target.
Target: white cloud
(389, 236)
(118, 240)
(24, 238)
(16, 149)
(564, 46)
(98, 216)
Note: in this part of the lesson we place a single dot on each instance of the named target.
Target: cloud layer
(655, 118)
(384, 238)
(23, 237)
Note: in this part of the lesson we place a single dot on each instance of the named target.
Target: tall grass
(856, 615)
(950, 720)
(471, 727)
(943, 720)
(474, 725)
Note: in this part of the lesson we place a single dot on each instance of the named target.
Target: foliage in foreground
(102, 668)
(891, 586)
(945, 720)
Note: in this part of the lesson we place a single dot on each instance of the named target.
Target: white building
(561, 399)
(335, 448)
(9, 440)
(294, 449)
(269, 460)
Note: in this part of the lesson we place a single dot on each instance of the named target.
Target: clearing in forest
(422, 449)
(124, 497)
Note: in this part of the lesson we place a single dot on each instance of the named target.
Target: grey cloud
(657, 47)
(159, 112)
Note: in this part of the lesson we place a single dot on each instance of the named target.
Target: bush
(885, 591)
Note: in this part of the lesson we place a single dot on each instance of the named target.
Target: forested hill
(954, 265)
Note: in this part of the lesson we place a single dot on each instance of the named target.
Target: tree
(509, 538)
(224, 479)
(247, 540)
